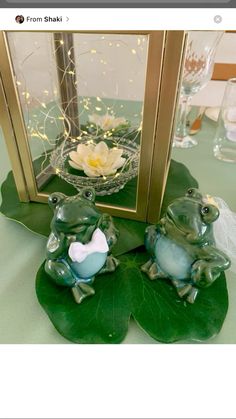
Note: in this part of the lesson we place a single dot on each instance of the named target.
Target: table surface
(22, 320)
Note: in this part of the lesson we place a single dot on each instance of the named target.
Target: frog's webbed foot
(151, 269)
(81, 291)
(186, 291)
(110, 265)
(192, 295)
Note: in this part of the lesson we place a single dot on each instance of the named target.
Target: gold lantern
(113, 93)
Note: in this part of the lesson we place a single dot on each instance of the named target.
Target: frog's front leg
(108, 228)
(208, 267)
(150, 267)
(152, 233)
(58, 243)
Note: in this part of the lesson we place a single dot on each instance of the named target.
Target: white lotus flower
(106, 122)
(97, 160)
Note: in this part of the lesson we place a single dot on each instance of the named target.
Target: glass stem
(182, 130)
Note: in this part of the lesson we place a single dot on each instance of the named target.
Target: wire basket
(103, 185)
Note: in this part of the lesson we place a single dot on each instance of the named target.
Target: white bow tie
(78, 251)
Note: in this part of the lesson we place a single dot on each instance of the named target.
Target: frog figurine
(182, 246)
(79, 245)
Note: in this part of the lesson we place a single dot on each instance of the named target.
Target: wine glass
(198, 69)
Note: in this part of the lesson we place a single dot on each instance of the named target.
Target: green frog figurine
(79, 245)
(182, 246)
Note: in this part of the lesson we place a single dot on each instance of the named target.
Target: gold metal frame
(12, 147)
(165, 54)
(169, 98)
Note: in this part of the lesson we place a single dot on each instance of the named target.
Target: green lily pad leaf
(33, 215)
(37, 217)
(155, 306)
(102, 318)
(131, 235)
(166, 317)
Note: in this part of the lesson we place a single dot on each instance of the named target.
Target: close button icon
(217, 19)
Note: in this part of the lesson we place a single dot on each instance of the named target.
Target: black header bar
(117, 3)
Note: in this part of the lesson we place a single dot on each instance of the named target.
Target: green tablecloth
(22, 320)
(215, 177)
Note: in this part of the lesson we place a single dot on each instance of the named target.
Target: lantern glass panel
(83, 89)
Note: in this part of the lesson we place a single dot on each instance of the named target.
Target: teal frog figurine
(79, 245)
(182, 246)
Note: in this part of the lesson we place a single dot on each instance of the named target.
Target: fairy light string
(46, 118)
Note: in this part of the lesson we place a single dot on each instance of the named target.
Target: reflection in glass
(225, 139)
(82, 89)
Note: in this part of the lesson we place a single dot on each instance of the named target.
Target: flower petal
(74, 165)
(107, 122)
(115, 154)
(119, 163)
(119, 121)
(75, 157)
(91, 171)
(101, 149)
(107, 171)
(95, 119)
(83, 149)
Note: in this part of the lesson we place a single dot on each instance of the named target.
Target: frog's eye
(194, 193)
(88, 194)
(205, 210)
(190, 192)
(209, 213)
(55, 198)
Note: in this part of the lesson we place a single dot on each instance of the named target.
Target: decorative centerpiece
(182, 246)
(79, 245)
(104, 164)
